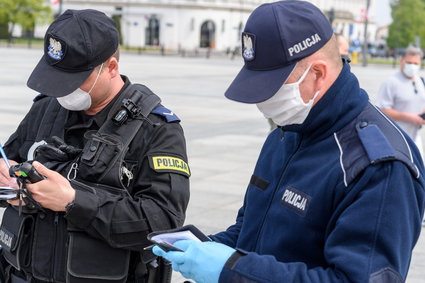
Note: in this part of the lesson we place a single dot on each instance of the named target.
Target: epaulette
(166, 113)
(39, 97)
(372, 138)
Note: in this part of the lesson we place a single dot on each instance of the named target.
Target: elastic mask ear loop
(304, 75)
(98, 74)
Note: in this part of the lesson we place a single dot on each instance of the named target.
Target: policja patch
(296, 200)
(166, 163)
(6, 239)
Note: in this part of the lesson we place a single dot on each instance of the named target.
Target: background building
(190, 25)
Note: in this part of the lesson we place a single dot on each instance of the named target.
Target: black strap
(126, 132)
(423, 80)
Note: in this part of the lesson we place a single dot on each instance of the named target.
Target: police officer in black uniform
(113, 160)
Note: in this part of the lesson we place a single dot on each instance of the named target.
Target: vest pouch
(16, 233)
(92, 260)
(100, 151)
(49, 247)
(90, 187)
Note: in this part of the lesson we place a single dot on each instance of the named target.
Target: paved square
(223, 137)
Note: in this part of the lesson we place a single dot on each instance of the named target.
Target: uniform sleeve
(19, 142)
(385, 98)
(377, 226)
(158, 201)
(230, 236)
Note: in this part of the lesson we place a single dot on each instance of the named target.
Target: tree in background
(26, 13)
(408, 22)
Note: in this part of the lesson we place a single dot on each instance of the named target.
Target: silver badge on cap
(55, 49)
(248, 51)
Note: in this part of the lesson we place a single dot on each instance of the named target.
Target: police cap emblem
(248, 45)
(54, 50)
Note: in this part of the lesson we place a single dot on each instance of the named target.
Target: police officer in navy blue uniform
(337, 194)
(113, 159)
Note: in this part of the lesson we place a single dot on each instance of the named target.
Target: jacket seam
(378, 222)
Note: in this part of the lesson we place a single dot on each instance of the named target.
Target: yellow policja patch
(169, 164)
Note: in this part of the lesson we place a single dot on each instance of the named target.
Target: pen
(3, 154)
(149, 247)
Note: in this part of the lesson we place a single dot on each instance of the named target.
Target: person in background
(402, 96)
(343, 47)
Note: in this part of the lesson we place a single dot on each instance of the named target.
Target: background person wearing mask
(109, 181)
(343, 47)
(402, 96)
(337, 194)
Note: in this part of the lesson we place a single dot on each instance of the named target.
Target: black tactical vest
(43, 245)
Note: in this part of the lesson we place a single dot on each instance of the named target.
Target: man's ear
(321, 72)
(113, 67)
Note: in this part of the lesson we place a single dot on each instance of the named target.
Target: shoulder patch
(166, 113)
(162, 163)
(39, 97)
(369, 139)
(375, 143)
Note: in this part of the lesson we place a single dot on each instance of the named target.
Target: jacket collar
(343, 101)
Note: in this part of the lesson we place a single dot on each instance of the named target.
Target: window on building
(152, 31)
(192, 24)
(208, 34)
(240, 29)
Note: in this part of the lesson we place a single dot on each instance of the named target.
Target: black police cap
(74, 44)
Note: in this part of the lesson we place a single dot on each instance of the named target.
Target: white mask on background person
(286, 107)
(410, 70)
(78, 100)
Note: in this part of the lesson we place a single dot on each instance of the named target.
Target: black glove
(70, 150)
(56, 156)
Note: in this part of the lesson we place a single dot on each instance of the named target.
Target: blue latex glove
(200, 261)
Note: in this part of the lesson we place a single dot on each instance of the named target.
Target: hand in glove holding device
(200, 261)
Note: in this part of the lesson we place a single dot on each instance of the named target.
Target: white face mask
(78, 100)
(286, 107)
(410, 70)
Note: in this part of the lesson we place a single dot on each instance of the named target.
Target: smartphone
(422, 116)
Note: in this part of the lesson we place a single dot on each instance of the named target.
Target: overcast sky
(382, 12)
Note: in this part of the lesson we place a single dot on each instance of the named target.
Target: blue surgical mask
(78, 100)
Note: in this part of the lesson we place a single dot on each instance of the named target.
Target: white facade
(217, 24)
(349, 17)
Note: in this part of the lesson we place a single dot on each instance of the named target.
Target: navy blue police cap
(74, 44)
(276, 36)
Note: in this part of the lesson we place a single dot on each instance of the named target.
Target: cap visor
(50, 81)
(257, 86)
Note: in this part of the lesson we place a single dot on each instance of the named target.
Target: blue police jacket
(339, 198)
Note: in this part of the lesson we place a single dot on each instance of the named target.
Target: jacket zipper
(55, 224)
(274, 193)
